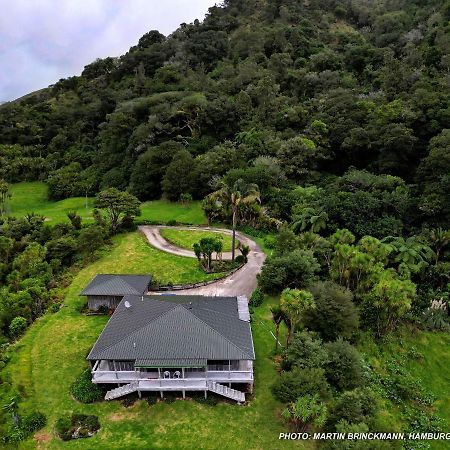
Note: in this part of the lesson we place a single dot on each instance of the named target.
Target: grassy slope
(28, 197)
(186, 239)
(51, 355)
(430, 366)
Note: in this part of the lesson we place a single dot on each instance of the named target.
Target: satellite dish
(127, 304)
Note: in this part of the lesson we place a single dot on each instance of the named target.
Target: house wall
(96, 301)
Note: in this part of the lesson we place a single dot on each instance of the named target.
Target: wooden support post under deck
(161, 394)
(206, 394)
(184, 393)
(139, 394)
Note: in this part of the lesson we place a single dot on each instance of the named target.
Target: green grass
(29, 197)
(187, 238)
(52, 354)
(164, 211)
(32, 198)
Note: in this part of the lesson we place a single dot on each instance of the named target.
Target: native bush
(84, 390)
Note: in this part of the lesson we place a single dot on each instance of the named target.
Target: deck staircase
(226, 391)
(122, 390)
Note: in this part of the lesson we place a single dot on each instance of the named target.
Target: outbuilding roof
(167, 328)
(117, 285)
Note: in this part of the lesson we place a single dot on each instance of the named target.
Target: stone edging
(179, 287)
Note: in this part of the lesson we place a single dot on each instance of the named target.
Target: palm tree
(295, 302)
(236, 196)
(306, 411)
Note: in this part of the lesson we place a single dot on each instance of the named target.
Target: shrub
(270, 241)
(256, 298)
(306, 352)
(17, 326)
(344, 367)
(300, 382)
(239, 259)
(63, 428)
(357, 406)
(33, 422)
(84, 390)
(77, 426)
(336, 315)
(293, 270)
(172, 223)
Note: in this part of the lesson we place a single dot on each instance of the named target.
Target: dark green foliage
(256, 298)
(298, 382)
(33, 422)
(295, 270)
(356, 406)
(336, 315)
(84, 390)
(306, 351)
(17, 326)
(77, 426)
(344, 366)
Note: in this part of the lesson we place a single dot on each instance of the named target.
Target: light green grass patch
(187, 238)
(164, 211)
(32, 197)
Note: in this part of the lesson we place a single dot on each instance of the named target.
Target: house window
(121, 365)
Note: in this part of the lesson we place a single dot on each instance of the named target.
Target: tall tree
(236, 196)
(118, 205)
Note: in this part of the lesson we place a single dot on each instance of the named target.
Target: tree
(205, 248)
(294, 270)
(179, 177)
(295, 303)
(344, 366)
(236, 196)
(118, 205)
(387, 302)
(5, 194)
(245, 250)
(335, 315)
(298, 382)
(305, 412)
(305, 351)
(410, 252)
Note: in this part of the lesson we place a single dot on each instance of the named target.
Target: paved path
(242, 282)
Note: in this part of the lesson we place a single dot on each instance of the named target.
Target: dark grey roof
(174, 328)
(117, 285)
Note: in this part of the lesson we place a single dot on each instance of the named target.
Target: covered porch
(172, 373)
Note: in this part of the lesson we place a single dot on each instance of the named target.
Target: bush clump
(77, 426)
(256, 298)
(84, 390)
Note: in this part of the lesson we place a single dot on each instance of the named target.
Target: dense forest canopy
(286, 92)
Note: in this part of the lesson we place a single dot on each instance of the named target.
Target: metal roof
(173, 328)
(117, 285)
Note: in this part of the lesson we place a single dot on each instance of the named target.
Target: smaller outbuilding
(107, 290)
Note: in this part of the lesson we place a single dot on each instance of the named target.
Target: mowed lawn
(187, 238)
(29, 197)
(52, 354)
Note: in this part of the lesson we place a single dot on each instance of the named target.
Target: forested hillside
(282, 92)
(322, 128)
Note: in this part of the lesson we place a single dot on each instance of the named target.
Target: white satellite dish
(127, 304)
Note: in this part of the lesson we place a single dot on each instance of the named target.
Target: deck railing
(109, 376)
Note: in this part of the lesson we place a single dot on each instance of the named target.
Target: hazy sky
(42, 41)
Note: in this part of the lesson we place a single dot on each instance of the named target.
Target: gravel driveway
(241, 282)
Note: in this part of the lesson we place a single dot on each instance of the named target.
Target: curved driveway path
(241, 282)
